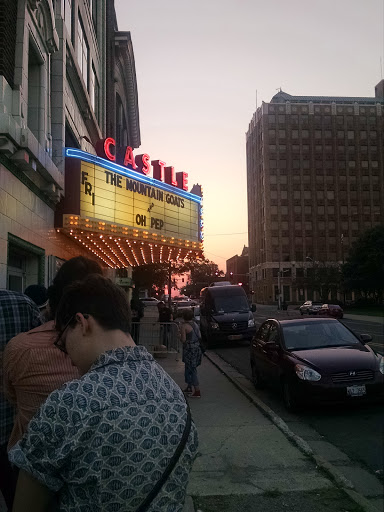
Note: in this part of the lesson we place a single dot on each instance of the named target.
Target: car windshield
(306, 336)
(230, 304)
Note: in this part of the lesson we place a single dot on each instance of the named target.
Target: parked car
(331, 310)
(180, 306)
(196, 312)
(225, 315)
(310, 307)
(221, 283)
(149, 301)
(316, 360)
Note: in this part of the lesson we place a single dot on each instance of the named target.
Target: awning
(119, 246)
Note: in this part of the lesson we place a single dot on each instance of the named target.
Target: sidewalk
(246, 463)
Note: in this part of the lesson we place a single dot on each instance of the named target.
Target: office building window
(82, 51)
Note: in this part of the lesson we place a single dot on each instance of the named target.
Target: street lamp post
(313, 266)
(279, 289)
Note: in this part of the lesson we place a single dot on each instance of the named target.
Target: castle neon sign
(106, 148)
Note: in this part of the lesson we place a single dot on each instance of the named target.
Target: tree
(322, 277)
(155, 275)
(202, 273)
(151, 276)
(363, 270)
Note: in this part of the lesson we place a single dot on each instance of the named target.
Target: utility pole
(342, 259)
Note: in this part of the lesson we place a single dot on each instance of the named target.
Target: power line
(226, 234)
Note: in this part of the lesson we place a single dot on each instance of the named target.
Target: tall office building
(315, 174)
(67, 79)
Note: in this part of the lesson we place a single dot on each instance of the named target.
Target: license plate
(356, 390)
(235, 337)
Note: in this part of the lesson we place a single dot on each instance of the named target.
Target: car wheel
(289, 398)
(257, 382)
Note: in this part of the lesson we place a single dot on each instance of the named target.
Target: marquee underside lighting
(119, 246)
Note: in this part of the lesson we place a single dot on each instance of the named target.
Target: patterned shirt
(33, 368)
(104, 440)
(18, 313)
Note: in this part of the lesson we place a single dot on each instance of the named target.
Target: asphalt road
(357, 431)
(375, 329)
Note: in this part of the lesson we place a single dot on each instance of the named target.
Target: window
(351, 134)
(93, 7)
(94, 92)
(82, 52)
(68, 17)
(34, 91)
(121, 124)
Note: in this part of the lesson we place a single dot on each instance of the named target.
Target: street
(356, 431)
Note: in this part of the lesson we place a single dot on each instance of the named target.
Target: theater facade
(70, 183)
(125, 217)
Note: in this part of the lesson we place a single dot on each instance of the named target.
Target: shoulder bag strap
(172, 463)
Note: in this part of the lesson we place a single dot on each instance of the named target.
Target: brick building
(67, 79)
(238, 269)
(315, 182)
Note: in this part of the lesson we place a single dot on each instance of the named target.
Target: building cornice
(125, 56)
(45, 18)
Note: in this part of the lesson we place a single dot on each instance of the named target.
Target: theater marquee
(125, 217)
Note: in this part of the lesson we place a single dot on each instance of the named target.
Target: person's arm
(31, 495)
(198, 332)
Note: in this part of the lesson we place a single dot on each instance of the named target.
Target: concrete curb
(341, 481)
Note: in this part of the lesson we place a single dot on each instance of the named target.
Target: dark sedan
(316, 360)
(332, 310)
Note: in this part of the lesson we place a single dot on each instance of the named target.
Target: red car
(332, 310)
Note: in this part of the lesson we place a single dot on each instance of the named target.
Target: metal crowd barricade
(159, 338)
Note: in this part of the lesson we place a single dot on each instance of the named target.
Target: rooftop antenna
(256, 100)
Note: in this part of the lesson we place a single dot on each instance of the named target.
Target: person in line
(33, 367)
(18, 313)
(103, 441)
(165, 318)
(137, 312)
(190, 337)
(38, 293)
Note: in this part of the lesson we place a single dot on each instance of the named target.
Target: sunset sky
(199, 64)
